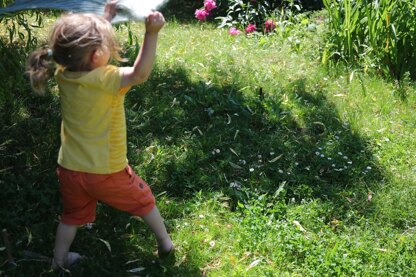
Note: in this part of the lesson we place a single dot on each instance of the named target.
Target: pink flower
(234, 31)
(209, 5)
(201, 15)
(270, 25)
(250, 28)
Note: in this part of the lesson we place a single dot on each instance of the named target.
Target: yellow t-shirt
(93, 130)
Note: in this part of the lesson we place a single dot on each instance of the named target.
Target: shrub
(181, 10)
(312, 4)
(250, 15)
(245, 12)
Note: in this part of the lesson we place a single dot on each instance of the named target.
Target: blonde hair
(73, 39)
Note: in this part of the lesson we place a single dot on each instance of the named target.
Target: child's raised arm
(143, 65)
(110, 10)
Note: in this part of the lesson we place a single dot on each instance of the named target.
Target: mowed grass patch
(262, 162)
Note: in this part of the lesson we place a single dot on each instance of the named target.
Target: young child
(92, 161)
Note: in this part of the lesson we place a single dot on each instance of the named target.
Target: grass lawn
(263, 163)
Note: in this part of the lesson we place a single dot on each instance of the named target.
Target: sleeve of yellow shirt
(110, 80)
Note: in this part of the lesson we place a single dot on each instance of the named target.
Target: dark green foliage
(253, 11)
(181, 10)
(240, 14)
(311, 4)
(29, 126)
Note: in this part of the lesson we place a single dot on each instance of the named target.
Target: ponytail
(39, 68)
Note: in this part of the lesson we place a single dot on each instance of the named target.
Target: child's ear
(94, 56)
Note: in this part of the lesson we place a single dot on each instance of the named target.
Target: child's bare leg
(155, 222)
(65, 235)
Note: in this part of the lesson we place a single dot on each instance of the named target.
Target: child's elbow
(143, 78)
(139, 79)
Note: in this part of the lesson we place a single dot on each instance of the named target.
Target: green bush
(253, 15)
(312, 4)
(373, 34)
(242, 13)
(181, 10)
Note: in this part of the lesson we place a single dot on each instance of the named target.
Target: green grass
(263, 163)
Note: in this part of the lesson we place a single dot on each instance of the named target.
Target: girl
(92, 160)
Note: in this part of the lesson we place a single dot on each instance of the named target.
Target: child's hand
(110, 10)
(154, 22)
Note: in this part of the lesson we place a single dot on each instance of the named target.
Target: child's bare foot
(71, 259)
(165, 253)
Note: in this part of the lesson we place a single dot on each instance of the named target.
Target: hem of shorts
(143, 211)
(76, 221)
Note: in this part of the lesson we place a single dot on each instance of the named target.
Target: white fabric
(136, 10)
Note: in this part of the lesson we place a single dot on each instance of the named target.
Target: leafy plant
(245, 12)
(373, 34)
(19, 29)
(19, 26)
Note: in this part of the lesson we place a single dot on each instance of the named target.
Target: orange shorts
(123, 190)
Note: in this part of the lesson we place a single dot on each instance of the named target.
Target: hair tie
(50, 52)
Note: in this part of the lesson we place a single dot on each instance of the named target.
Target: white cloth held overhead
(136, 10)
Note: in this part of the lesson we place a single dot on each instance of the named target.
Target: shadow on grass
(184, 137)
(188, 136)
